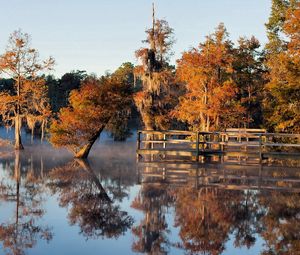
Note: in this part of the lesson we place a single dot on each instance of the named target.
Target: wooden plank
(281, 145)
(254, 187)
(246, 130)
(228, 166)
(170, 141)
(174, 152)
(167, 132)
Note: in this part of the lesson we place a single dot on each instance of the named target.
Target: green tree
(275, 24)
(119, 126)
(249, 76)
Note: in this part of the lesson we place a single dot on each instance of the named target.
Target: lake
(53, 204)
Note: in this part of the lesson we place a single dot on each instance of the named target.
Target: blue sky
(99, 35)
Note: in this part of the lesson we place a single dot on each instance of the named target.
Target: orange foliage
(21, 63)
(207, 73)
(91, 108)
(282, 105)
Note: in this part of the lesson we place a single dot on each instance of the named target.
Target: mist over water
(53, 204)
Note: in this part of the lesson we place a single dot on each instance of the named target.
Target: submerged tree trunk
(86, 166)
(18, 141)
(85, 150)
(17, 176)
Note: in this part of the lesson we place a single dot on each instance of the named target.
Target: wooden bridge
(246, 144)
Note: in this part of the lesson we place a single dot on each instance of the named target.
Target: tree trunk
(217, 122)
(85, 150)
(32, 135)
(43, 131)
(207, 124)
(18, 141)
(202, 122)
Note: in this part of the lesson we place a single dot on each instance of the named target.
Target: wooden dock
(224, 176)
(246, 144)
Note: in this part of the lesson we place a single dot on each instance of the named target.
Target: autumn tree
(21, 63)
(282, 105)
(91, 108)
(159, 91)
(207, 73)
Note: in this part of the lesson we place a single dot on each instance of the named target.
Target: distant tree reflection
(90, 206)
(281, 223)
(153, 201)
(206, 217)
(203, 219)
(217, 209)
(22, 231)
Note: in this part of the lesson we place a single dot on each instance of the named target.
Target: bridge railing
(201, 143)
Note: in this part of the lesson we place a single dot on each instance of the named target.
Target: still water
(52, 204)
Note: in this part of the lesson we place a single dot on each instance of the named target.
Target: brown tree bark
(43, 131)
(85, 150)
(18, 141)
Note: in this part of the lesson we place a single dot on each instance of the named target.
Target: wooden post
(222, 142)
(138, 175)
(197, 146)
(260, 148)
(138, 144)
(153, 138)
(164, 173)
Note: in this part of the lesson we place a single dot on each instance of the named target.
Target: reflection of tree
(22, 233)
(152, 230)
(281, 224)
(246, 216)
(90, 206)
(208, 216)
(204, 220)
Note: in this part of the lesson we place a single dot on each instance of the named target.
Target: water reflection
(24, 190)
(151, 233)
(91, 197)
(219, 203)
(182, 208)
(90, 206)
(281, 223)
(207, 217)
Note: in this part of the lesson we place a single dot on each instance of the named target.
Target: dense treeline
(216, 85)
